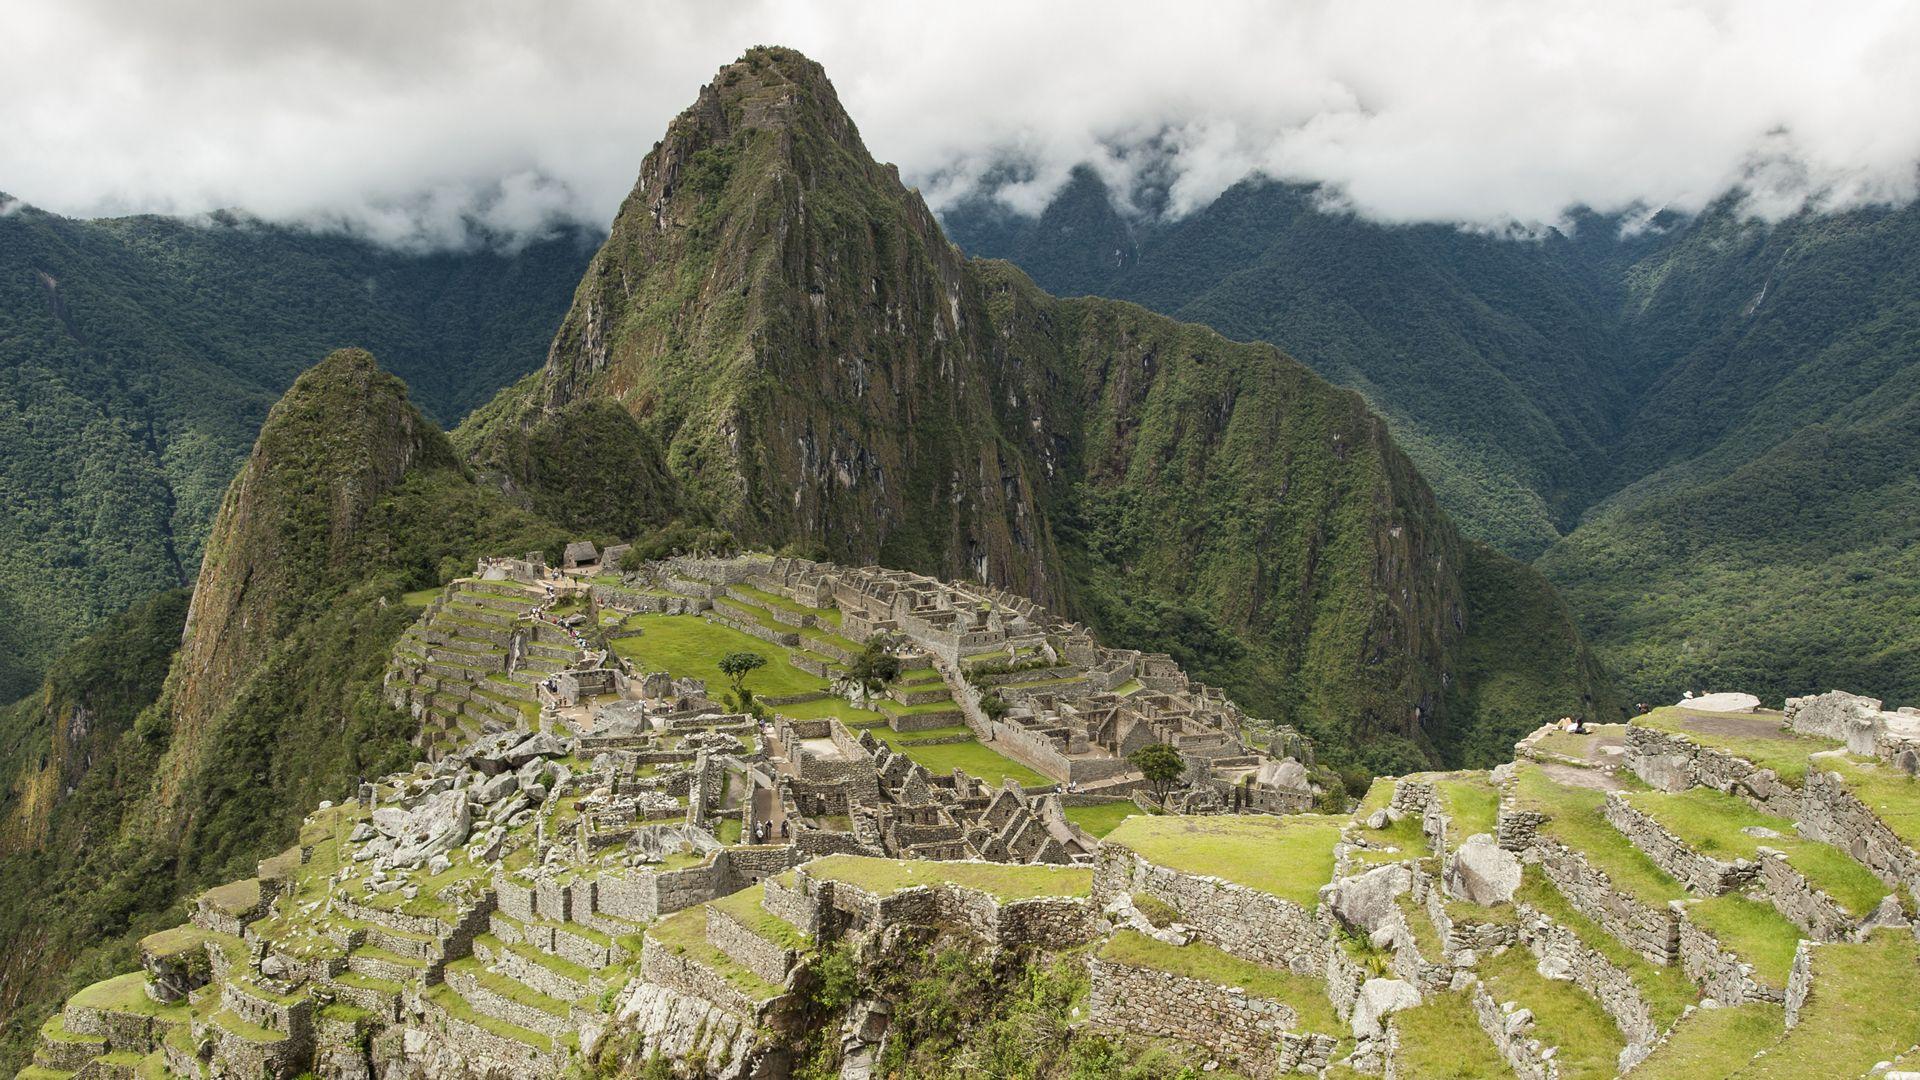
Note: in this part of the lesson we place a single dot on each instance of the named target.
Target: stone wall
(1258, 1033)
(1248, 923)
(1699, 872)
(1512, 1035)
(661, 965)
(1834, 814)
(758, 955)
(1668, 762)
(1563, 954)
(1809, 908)
(1651, 932)
(1721, 975)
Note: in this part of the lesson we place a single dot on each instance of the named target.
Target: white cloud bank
(410, 120)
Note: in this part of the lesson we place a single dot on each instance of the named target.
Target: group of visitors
(763, 831)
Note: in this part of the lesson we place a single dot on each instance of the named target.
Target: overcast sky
(404, 118)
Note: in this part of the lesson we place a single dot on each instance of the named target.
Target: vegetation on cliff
(138, 357)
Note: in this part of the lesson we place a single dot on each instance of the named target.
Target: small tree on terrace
(875, 667)
(1161, 765)
(736, 665)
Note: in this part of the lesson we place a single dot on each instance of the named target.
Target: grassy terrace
(1442, 1040)
(127, 994)
(1307, 995)
(1289, 857)
(846, 712)
(685, 932)
(1472, 806)
(1579, 747)
(1710, 822)
(745, 906)
(1864, 1009)
(972, 757)
(1754, 931)
(1667, 990)
(1103, 818)
(1766, 742)
(1715, 1042)
(690, 646)
(1564, 1015)
(1006, 881)
(1894, 798)
(456, 1006)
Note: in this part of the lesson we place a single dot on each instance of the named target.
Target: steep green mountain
(138, 357)
(812, 363)
(124, 790)
(1694, 427)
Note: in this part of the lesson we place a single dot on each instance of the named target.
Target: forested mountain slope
(1690, 425)
(138, 357)
(812, 363)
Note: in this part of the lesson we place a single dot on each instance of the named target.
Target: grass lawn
(1007, 881)
(1307, 995)
(1894, 798)
(829, 706)
(1290, 857)
(974, 759)
(1786, 755)
(1103, 818)
(421, 597)
(1472, 806)
(685, 932)
(1715, 1042)
(690, 646)
(1864, 1009)
(1710, 822)
(1754, 931)
(1579, 747)
(1442, 1040)
(745, 906)
(1565, 1016)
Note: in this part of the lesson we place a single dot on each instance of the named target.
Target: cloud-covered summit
(414, 122)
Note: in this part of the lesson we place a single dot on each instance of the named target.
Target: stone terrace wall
(1701, 873)
(1561, 950)
(659, 964)
(1670, 763)
(1807, 907)
(1722, 976)
(1651, 932)
(1257, 1032)
(1512, 1035)
(1248, 923)
(1834, 814)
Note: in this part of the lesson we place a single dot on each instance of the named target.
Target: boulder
(1482, 872)
(1666, 772)
(1378, 820)
(1367, 902)
(435, 827)
(538, 745)
(1378, 999)
(1722, 703)
(496, 788)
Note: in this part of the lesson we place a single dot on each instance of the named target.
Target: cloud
(415, 123)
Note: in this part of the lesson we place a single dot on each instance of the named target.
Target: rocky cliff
(822, 369)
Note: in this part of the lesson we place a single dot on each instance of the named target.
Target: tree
(736, 665)
(1161, 765)
(875, 667)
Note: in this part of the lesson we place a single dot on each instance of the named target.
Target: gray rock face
(1722, 703)
(1666, 772)
(435, 827)
(538, 745)
(1378, 999)
(1482, 873)
(1367, 902)
(496, 788)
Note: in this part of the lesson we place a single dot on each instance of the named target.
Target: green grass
(420, 597)
(1472, 806)
(1754, 931)
(1307, 995)
(728, 830)
(690, 646)
(235, 897)
(1101, 819)
(894, 708)
(776, 600)
(1005, 881)
(1443, 1040)
(1405, 835)
(1715, 1042)
(1893, 797)
(1289, 857)
(246, 1029)
(746, 907)
(512, 989)
(126, 994)
(456, 1006)
(1865, 1008)
(1667, 990)
(685, 932)
(1786, 756)
(1710, 822)
(846, 712)
(973, 758)
(1567, 744)
(1129, 687)
(1564, 1015)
